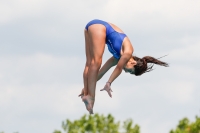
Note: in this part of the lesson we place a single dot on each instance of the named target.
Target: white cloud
(66, 10)
(186, 53)
(38, 66)
(20, 73)
(17, 9)
(160, 14)
(178, 92)
(41, 79)
(154, 15)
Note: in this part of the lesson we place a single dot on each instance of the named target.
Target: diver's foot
(89, 102)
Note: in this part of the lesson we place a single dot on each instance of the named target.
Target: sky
(42, 57)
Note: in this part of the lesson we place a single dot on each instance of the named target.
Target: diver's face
(129, 70)
(129, 66)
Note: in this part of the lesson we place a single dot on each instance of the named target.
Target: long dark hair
(142, 67)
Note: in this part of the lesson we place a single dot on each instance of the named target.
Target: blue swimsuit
(114, 39)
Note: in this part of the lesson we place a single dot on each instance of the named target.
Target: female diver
(97, 34)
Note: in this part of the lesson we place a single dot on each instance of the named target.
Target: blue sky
(42, 60)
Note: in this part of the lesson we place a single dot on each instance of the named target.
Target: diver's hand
(108, 89)
(82, 93)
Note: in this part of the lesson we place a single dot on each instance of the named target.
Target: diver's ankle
(91, 96)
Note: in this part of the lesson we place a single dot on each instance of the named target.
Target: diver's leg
(97, 35)
(88, 101)
(87, 64)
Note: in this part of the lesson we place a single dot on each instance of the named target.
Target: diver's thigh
(97, 33)
(87, 47)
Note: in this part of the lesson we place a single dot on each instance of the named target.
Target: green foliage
(185, 126)
(56, 131)
(128, 127)
(97, 124)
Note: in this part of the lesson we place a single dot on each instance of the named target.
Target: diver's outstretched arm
(109, 63)
(117, 71)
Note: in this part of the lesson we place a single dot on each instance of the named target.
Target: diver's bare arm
(117, 71)
(120, 65)
(109, 63)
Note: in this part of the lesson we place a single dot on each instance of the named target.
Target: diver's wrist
(108, 83)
